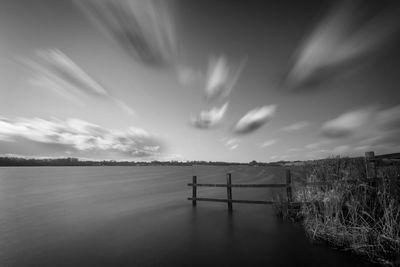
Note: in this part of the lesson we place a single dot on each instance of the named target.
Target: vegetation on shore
(350, 212)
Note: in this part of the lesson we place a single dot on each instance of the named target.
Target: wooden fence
(371, 164)
(229, 186)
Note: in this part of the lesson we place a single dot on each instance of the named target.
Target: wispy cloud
(347, 123)
(209, 118)
(233, 147)
(296, 126)
(55, 71)
(343, 40)
(268, 143)
(221, 78)
(232, 143)
(254, 119)
(373, 127)
(144, 29)
(75, 137)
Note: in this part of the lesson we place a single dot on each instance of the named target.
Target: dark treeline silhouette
(16, 161)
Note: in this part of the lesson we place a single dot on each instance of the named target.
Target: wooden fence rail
(238, 185)
(233, 200)
(229, 186)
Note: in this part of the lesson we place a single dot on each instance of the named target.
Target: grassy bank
(352, 215)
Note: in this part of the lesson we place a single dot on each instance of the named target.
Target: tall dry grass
(351, 212)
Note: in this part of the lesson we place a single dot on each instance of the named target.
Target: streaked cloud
(55, 71)
(268, 143)
(347, 123)
(144, 29)
(254, 119)
(221, 78)
(209, 118)
(296, 126)
(344, 39)
(372, 127)
(233, 147)
(232, 143)
(77, 138)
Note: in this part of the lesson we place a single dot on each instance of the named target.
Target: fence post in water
(229, 190)
(288, 186)
(194, 190)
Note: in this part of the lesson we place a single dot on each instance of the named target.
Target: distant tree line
(16, 161)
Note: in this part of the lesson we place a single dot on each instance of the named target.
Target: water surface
(139, 216)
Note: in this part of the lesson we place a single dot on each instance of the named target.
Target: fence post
(288, 186)
(229, 190)
(370, 165)
(194, 190)
(373, 181)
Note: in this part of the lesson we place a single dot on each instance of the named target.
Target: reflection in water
(140, 217)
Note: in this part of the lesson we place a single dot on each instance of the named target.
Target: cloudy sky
(199, 80)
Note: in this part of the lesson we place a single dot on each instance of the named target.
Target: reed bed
(350, 212)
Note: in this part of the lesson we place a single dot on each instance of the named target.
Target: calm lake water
(139, 216)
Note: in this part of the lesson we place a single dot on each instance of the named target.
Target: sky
(199, 80)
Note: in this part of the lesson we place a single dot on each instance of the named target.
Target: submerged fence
(229, 185)
(371, 164)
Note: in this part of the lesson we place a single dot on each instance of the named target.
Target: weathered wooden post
(370, 165)
(229, 191)
(288, 186)
(375, 183)
(194, 191)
